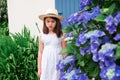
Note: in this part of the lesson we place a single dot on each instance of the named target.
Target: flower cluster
(96, 42)
(71, 73)
(83, 17)
(69, 36)
(112, 22)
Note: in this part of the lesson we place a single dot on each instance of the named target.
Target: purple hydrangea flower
(84, 3)
(117, 37)
(83, 77)
(77, 42)
(64, 22)
(95, 12)
(106, 51)
(109, 61)
(105, 40)
(101, 64)
(82, 51)
(84, 17)
(117, 19)
(95, 57)
(93, 39)
(62, 63)
(73, 18)
(96, 33)
(73, 75)
(94, 47)
(81, 39)
(111, 28)
(110, 73)
(109, 20)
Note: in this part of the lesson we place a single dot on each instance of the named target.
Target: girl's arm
(40, 51)
(63, 45)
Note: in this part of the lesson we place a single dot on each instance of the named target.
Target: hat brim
(47, 15)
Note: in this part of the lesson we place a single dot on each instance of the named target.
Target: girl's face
(50, 23)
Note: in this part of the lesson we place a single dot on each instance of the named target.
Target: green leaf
(81, 63)
(67, 50)
(67, 29)
(101, 17)
(117, 52)
(94, 72)
(111, 8)
(104, 10)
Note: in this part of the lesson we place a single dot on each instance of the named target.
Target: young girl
(51, 43)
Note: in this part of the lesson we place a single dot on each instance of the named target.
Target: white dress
(50, 57)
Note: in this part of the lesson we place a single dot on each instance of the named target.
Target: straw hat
(51, 13)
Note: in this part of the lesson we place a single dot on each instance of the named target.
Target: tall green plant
(3, 18)
(3, 10)
(18, 56)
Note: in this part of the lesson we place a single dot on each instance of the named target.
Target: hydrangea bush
(93, 42)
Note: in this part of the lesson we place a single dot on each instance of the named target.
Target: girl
(51, 43)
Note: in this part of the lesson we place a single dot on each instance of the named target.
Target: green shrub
(18, 56)
(4, 28)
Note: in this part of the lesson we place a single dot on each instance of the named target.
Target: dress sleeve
(41, 36)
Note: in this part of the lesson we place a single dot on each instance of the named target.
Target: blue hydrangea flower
(69, 36)
(106, 40)
(82, 51)
(117, 19)
(106, 47)
(107, 73)
(68, 60)
(83, 77)
(69, 69)
(84, 17)
(81, 39)
(95, 12)
(73, 18)
(72, 75)
(109, 20)
(84, 3)
(112, 22)
(101, 64)
(96, 33)
(117, 37)
(95, 57)
(93, 39)
(77, 42)
(111, 28)
(106, 51)
(109, 61)
(64, 22)
(60, 65)
(94, 47)
(110, 73)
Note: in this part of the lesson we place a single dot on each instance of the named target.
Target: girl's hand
(39, 73)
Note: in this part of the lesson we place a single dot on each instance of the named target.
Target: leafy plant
(3, 11)
(18, 56)
(4, 28)
(3, 18)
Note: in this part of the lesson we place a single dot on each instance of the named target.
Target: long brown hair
(57, 29)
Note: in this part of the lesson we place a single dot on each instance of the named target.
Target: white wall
(26, 12)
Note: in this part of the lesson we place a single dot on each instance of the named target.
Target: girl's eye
(47, 21)
(53, 21)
